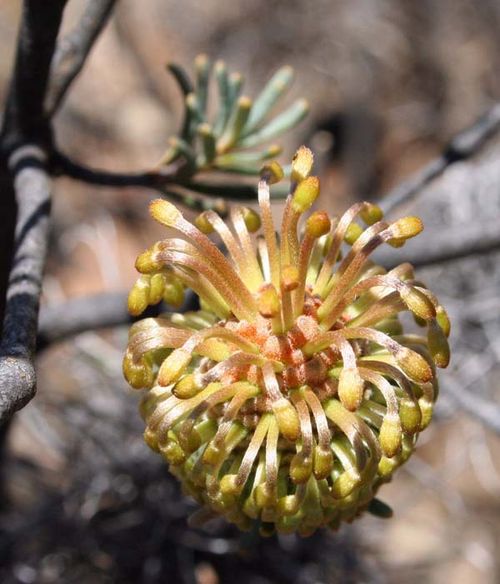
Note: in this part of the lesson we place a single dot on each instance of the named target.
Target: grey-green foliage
(231, 140)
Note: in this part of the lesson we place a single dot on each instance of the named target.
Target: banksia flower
(293, 394)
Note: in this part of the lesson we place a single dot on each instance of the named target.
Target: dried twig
(89, 313)
(63, 165)
(462, 146)
(17, 374)
(73, 50)
(24, 119)
(27, 139)
(165, 179)
(26, 136)
(443, 246)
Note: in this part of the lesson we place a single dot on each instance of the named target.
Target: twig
(26, 136)
(164, 180)
(89, 313)
(73, 50)
(443, 246)
(462, 146)
(17, 373)
(25, 120)
(63, 165)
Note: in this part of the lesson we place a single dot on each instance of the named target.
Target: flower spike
(294, 393)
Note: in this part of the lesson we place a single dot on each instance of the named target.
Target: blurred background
(390, 82)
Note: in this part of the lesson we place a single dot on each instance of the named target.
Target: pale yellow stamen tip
(418, 303)
(139, 296)
(186, 387)
(323, 462)
(390, 436)
(305, 194)
(353, 232)
(301, 468)
(268, 301)
(173, 366)
(410, 416)
(164, 212)
(272, 172)
(350, 389)
(146, 262)
(287, 418)
(414, 365)
(371, 213)
(345, 484)
(229, 485)
(406, 228)
(203, 223)
(302, 164)
(318, 224)
(289, 278)
(251, 219)
(438, 345)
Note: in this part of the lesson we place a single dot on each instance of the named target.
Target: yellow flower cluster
(293, 393)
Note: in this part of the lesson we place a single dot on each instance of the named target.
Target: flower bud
(138, 375)
(186, 387)
(203, 223)
(418, 302)
(287, 418)
(410, 416)
(443, 320)
(229, 485)
(371, 213)
(387, 466)
(268, 301)
(173, 293)
(289, 278)
(173, 453)
(323, 462)
(406, 228)
(164, 212)
(426, 407)
(288, 505)
(157, 285)
(318, 224)
(151, 439)
(173, 366)
(346, 483)
(438, 344)
(272, 173)
(264, 496)
(353, 232)
(414, 365)
(350, 389)
(138, 297)
(146, 262)
(305, 194)
(252, 219)
(301, 467)
(390, 436)
(302, 164)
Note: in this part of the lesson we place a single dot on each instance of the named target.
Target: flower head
(293, 393)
